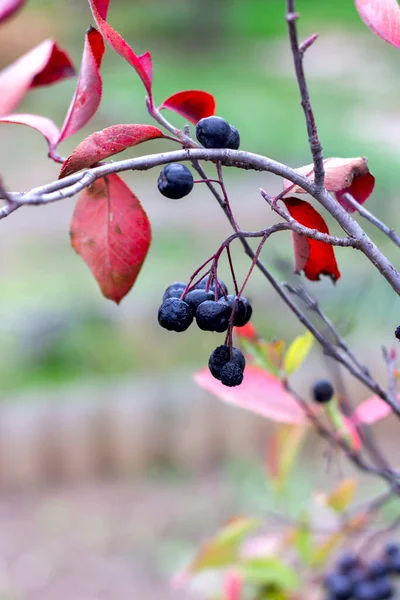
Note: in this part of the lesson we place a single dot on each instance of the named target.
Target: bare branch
(363, 212)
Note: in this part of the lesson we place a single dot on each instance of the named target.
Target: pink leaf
(193, 105)
(107, 142)
(371, 410)
(382, 17)
(260, 392)
(233, 585)
(89, 88)
(112, 233)
(44, 65)
(9, 7)
(45, 126)
(141, 64)
(314, 257)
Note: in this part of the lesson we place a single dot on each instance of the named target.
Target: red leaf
(89, 87)
(314, 257)
(45, 126)
(107, 142)
(9, 7)
(371, 410)
(382, 17)
(43, 65)
(260, 392)
(112, 233)
(247, 331)
(141, 64)
(193, 105)
(233, 585)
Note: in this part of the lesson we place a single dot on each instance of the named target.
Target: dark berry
(213, 132)
(221, 356)
(234, 139)
(196, 297)
(322, 391)
(175, 181)
(213, 316)
(357, 575)
(366, 590)
(377, 569)
(243, 311)
(174, 290)
(339, 586)
(392, 549)
(175, 315)
(394, 564)
(383, 588)
(397, 332)
(221, 286)
(231, 374)
(239, 306)
(347, 562)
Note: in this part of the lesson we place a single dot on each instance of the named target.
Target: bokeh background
(113, 465)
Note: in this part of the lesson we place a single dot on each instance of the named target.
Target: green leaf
(302, 540)
(298, 352)
(270, 571)
(342, 496)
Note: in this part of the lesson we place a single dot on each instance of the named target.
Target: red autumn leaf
(260, 392)
(42, 124)
(112, 233)
(313, 257)
(247, 331)
(342, 175)
(371, 410)
(141, 64)
(193, 105)
(43, 65)
(107, 142)
(9, 7)
(233, 585)
(382, 17)
(89, 87)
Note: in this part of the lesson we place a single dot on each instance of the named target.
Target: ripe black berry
(322, 391)
(383, 589)
(377, 569)
(174, 290)
(221, 356)
(196, 297)
(366, 590)
(347, 562)
(175, 181)
(243, 309)
(213, 316)
(213, 132)
(339, 586)
(221, 286)
(175, 315)
(231, 374)
(234, 140)
(392, 549)
(394, 564)
(397, 332)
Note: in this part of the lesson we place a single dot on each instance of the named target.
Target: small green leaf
(302, 540)
(342, 496)
(297, 352)
(270, 571)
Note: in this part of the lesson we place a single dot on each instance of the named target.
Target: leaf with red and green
(9, 7)
(88, 91)
(382, 17)
(260, 392)
(314, 257)
(43, 65)
(107, 142)
(112, 233)
(142, 64)
(193, 105)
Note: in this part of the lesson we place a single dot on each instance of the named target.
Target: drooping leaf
(298, 352)
(88, 91)
(112, 233)
(193, 105)
(372, 410)
(43, 65)
(342, 176)
(260, 392)
(313, 257)
(45, 126)
(107, 142)
(9, 7)
(382, 17)
(341, 497)
(270, 571)
(142, 64)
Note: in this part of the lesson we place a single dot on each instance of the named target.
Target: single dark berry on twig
(322, 391)
(231, 374)
(221, 356)
(213, 132)
(174, 290)
(196, 297)
(397, 332)
(175, 315)
(213, 316)
(175, 181)
(234, 139)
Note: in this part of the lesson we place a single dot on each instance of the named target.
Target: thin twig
(363, 212)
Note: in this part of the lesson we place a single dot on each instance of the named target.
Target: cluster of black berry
(175, 180)
(353, 578)
(214, 310)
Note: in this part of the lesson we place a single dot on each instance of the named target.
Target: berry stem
(226, 198)
(228, 252)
